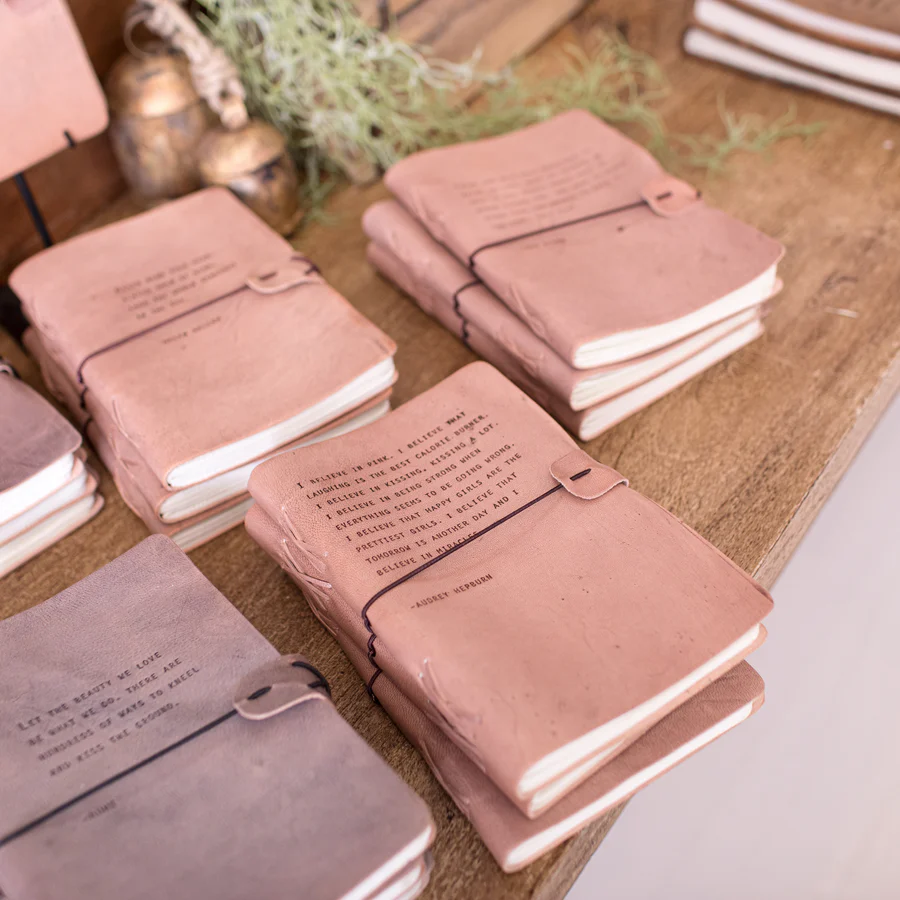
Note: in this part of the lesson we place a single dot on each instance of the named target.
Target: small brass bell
(156, 121)
(246, 155)
(254, 163)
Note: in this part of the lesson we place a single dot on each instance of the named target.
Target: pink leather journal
(824, 18)
(560, 220)
(204, 336)
(507, 583)
(45, 492)
(587, 401)
(671, 367)
(51, 97)
(51, 518)
(81, 483)
(34, 435)
(513, 838)
(405, 253)
(140, 713)
(137, 484)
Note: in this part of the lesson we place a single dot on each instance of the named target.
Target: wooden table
(746, 453)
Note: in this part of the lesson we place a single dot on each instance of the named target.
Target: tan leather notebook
(203, 334)
(67, 508)
(624, 388)
(150, 501)
(80, 479)
(846, 49)
(136, 482)
(508, 583)
(51, 96)
(712, 46)
(867, 26)
(513, 838)
(141, 713)
(37, 447)
(560, 219)
(881, 15)
(187, 533)
(405, 253)
(872, 65)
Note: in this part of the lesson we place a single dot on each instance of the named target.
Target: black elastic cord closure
(7, 367)
(151, 328)
(36, 823)
(558, 225)
(320, 683)
(370, 645)
(464, 333)
(19, 832)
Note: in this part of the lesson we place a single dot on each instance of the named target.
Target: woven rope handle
(213, 73)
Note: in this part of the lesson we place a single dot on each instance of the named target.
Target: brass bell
(254, 163)
(246, 155)
(157, 119)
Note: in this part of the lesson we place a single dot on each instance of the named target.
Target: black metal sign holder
(11, 316)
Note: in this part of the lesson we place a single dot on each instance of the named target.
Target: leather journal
(46, 491)
(505, 582)
(584, 237)
(586, 401)
(51, 96)
(849, 49)
(144, 724)
(191, 342)
(514, 838)
(195, 514)
(202, 333)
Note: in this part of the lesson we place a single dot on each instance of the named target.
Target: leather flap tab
(284, 274)
(278, 686)
(584, 477)
(668, 196)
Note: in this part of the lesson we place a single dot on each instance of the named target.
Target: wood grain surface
(745, 453)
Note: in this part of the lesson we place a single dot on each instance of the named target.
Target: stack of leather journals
(565, 256)
(153, 744)
(46, 490)
(192, 341)
(547, 637)
(849, 49)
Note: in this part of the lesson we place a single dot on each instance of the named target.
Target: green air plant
(351, 98)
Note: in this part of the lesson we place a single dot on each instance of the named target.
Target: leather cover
(406, 254)
(144, 496)
(548, 626)
(51, 537)
(883, 15)
(80, 472)
(590, 280)
(136, 483)
(34, 435)
(49, 87)
(512, 838)
(11, 556)
(155, 317)
(516, 841)
(140, 505)
(526, 369)
(139, 656)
